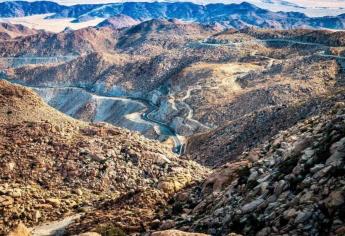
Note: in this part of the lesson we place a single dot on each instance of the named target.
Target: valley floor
(39, 22)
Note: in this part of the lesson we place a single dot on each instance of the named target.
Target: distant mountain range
(310, 7)
(228, 15)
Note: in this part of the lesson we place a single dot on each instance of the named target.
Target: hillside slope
(292, 184)
(119, 22)
(56, 167)
(22, 8)
(220, 88)
(9, 31)
(65, 43)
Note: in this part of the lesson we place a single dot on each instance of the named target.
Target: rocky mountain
(159, 55)
(73, 11)
(9, 31)
(57, 166)
(22, 8)
(77, 42)
(291, 184)
(119, 22)
(245, 128)
(228, 15)
(261, 87)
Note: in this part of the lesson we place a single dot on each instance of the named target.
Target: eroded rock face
(292, 184)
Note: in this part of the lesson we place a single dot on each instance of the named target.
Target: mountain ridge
(228, 15)
(262, 108)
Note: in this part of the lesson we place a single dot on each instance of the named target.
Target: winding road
(289, 41)
(15, 62)
(190, 113)
(179, 145)
(150, 108)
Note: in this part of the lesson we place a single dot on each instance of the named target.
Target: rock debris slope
(54, 166)
(293, 184)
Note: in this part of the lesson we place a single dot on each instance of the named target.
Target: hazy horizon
(309, 7)
(302, 3)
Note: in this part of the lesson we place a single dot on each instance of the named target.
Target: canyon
(168, 127)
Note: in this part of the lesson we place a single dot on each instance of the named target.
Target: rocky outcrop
(292, 184)
(56, 166)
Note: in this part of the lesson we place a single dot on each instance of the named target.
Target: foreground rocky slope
(292, 184)
(54, 166)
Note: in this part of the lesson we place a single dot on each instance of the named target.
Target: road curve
(15, 62)
(178, 144)
(321, 54)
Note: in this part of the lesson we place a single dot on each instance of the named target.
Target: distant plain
(53, 25)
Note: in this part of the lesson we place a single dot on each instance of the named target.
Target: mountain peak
(119, 21)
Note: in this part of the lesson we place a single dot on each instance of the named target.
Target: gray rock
(321, 173)
(290, 213)
(253, 176)
(264, 232)
(308, 153)
(302, 216)
(252, 205)
(335, 198)
(336, 159)
(280, 187)
(316, 168)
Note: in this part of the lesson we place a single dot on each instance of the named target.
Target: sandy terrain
(55, 227)
(53, 25)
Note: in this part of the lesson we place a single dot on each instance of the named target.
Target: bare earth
(54, 228)
(53, 25)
